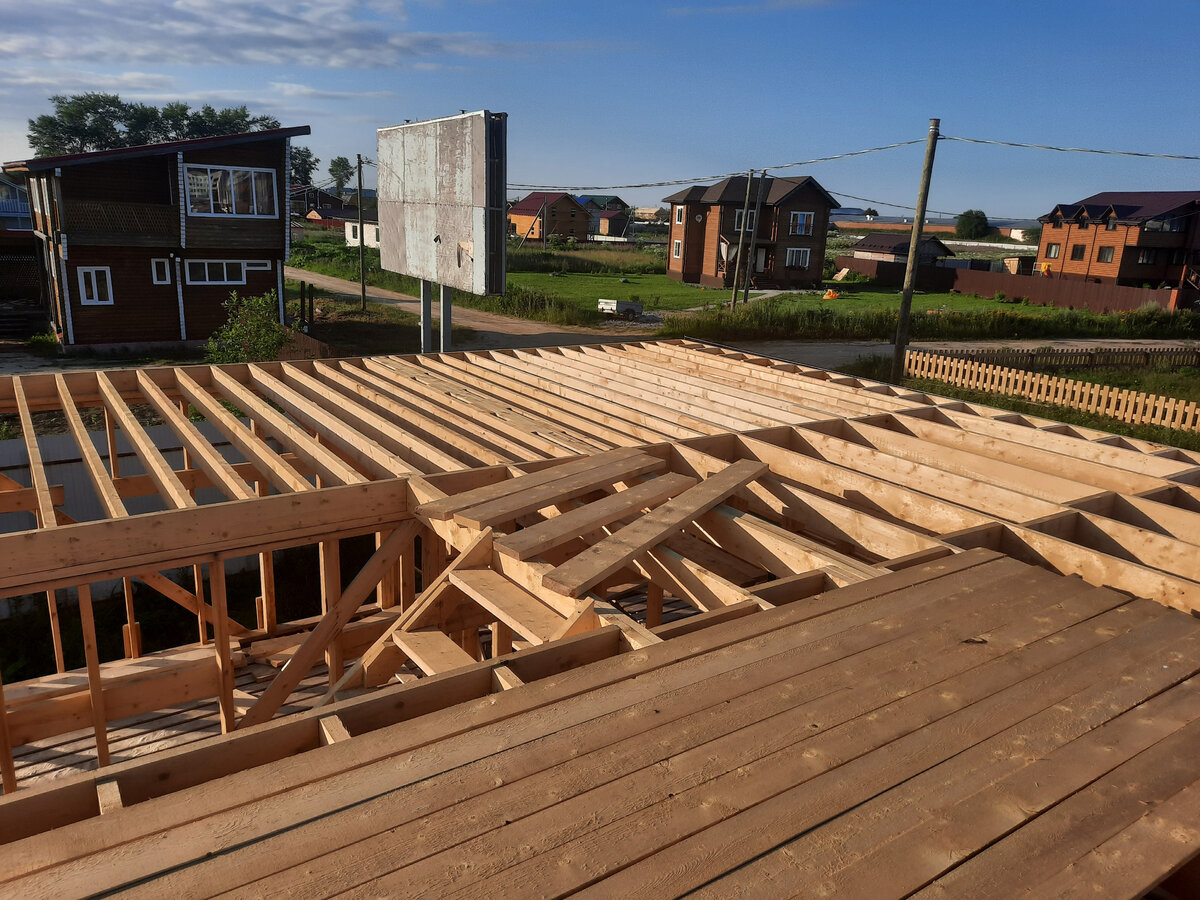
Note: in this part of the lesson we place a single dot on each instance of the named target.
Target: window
(222, 271)
(95, 286)
(354, 232)
(1083, 224)
(1078, 251)
(737, 221)
(1178, 256)
(225, 191)
(677, 249)
(679, 215)
(1147, 257)
(160, 271)
(1167, 223)
(1052, 251)
(1110, 224)
(1105, 255)
(1057, 223)
(796, 258)
(801, 223)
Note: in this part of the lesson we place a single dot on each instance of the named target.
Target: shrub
(251, 332)
(44, 345)
(971, 224)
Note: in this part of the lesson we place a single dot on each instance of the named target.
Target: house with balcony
(14, 205)
(785, 242)
(1130, 238)
(142, 245)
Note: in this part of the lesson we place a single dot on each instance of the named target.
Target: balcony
(108, 222)
(14, 208)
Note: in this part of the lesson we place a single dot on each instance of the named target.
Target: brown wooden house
(894, 248)
(788, 236)
(1131, 238)
(143, 244)
(545, 214)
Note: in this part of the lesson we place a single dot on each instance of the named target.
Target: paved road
(492, 332)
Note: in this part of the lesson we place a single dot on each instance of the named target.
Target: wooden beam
(8, 772)
(431, 651)
(187, 600)
(37, 472)
(505, 679)
(216, 587)
(518, 609)
(106, 491)
(602, 559)
(583, 619)
(333, 730)
(95, 686)
(326, 630)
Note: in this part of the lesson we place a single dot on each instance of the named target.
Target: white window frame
(88, 286)
(800, 225)
(165, 276)
(189, 168)
(677, 250)
(793, 252)
(737, 220)
(678, 215)
(244, 266)
(1100, 254)
(1053, 251)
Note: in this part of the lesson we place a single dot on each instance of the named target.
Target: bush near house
(251, 332)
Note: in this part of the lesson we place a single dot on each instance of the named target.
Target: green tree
(871, 211)
(341, 170)
(251, 332)
(303, 165)
(971, 224)
(97, 121)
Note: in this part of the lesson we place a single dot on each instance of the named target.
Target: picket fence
(1076, 358)
(1133, 407)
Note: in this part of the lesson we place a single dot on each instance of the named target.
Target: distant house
(789, 236)
(545, 214)
(143, 244)
(308, 198)
(1129, 238)
(612, 222)
(895, 248)
(597, 204)
(14, 205)
(370, 233)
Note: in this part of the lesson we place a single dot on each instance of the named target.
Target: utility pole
(914, 251)
(362, 241)
(737, 260)
(750, 261)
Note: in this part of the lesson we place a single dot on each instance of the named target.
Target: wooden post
(753, 248)
(132, 631)
(501, 639)
(331, 595)
(654, 605)
(914, 251)
(8, 771)
(95, 687)
(737, 259)
(362, 241)
(198, 578)
(266, 577)
(408, 575)
(216, 587)
(55, 632)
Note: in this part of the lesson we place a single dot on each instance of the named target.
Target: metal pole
(426, 316)
(362, 241)
(737, 260)
(762, 176)
(445, 299)
(914, 251)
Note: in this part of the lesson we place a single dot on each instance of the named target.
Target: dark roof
(733, 190)
(530, 205)
(226, 140)
(896, 242)
(601, 200)
(612, 213)
(1132, 207)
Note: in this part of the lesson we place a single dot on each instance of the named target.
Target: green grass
(1181, 383)
(589, 258)
(654, 291)
(380, 329)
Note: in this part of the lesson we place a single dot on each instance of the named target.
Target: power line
(1135, 153)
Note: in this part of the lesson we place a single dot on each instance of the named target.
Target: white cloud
(309, 33)
(289, 89)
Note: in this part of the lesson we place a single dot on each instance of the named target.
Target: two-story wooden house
(545, 214)
(143, 244)
(1131, 238)
(788, 237)
(607, 213)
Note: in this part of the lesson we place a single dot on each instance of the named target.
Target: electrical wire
(1134, 153)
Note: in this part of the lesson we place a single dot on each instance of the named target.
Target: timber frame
(536, 496)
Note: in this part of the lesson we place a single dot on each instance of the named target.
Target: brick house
(707, 221)
(545, 214)
(1130, 238)
(143, 244)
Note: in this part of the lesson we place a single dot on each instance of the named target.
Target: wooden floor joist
(873, 597)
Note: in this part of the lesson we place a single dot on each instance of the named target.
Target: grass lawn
(380, 329)
(852, 300)
(654, 291)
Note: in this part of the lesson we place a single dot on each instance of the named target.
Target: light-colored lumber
(95, 685)
(602, 559)
(431, 651)
(216, 585)
(106, 491)
(108, 795)
(518, 609)
(332, 730)
(505, 679)
(8, 772)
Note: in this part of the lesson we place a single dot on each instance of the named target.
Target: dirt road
(492, 332)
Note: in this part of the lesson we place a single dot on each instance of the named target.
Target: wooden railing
(1070, 357)
(1133, 407)
(109, 216)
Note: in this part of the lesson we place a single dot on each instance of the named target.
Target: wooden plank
(95, 686)
(542, 537)
(106, 491)
(332, 730)
(327, 630)
(706, 619)
(505, 679)
(216, 586)
(431, 651)
(519, 503)
(607, 556)
(518, 609)
(37, 472)
(8, 772)
(186, 599)
(108, 795)
(169, 486)
(447, 507)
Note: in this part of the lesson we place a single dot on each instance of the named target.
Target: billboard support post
(426, 316)
(447, 294)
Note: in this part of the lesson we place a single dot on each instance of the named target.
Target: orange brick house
(789, 236)
(1124, 237)
(545, 214)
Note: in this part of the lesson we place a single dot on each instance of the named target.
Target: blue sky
(629, 91)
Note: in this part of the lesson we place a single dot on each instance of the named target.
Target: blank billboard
(441, 200)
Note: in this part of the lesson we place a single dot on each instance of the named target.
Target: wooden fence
(1133, 407)
(1080, 358)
